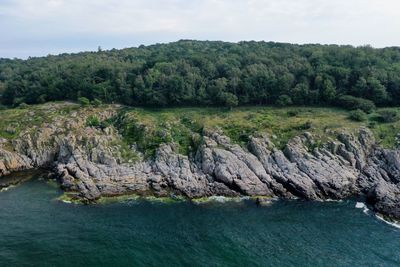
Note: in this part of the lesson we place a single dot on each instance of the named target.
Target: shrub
(106, 123)
(284, 100)
(358, 115)
(387, 116)
(293, 113)
(96, 102)
(23, 105)
(93, 121)
(372, 124)
(305, 126)
(229, 100)
(353, 103)
(83, 101)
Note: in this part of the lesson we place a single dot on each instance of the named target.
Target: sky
(42, 27)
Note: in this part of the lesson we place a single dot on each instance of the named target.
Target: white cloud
(57, 25)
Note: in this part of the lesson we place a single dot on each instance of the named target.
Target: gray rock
(88, 162)
(385, 198)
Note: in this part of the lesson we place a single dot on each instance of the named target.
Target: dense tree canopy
(208, 73)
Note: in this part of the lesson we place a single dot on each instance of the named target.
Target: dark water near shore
(37, 230)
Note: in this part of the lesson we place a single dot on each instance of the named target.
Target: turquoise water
(37, 230)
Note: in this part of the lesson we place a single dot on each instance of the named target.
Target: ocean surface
(36, 229)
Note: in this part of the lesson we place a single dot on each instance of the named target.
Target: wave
(219, 199)
(392, 223)
(363, 206)
(333, 200)
(7, 188)
(223, 199)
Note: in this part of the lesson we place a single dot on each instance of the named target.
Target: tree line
(209, 73)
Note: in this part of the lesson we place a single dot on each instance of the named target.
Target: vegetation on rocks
(144, 129)
(111, 150)
(13, 121)
(147, 128)
(256, 125)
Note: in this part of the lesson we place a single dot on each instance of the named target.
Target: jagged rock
(179, 173)
(385, 198)
(88, 162)
(232, 166)
(11, 162)
(331, 178)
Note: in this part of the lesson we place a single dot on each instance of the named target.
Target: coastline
(92, 163)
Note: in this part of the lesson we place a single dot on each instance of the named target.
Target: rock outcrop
(11, 162)
(88, 161)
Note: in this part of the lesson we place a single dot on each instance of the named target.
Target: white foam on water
(394, 224)
(67, 201)
(7, 188)
(360, 205)
(334, 200)
(223, 199)
(220, 199)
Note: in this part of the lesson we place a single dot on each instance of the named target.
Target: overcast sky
(41, 27)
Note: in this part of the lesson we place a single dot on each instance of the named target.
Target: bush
(293, 113)
(104, 124)
(23, 105)
(372, 124)
(83, 101)
(97, 102)
(305, 126)
(358, 115)
(353, 103)
(229, 100)
(387, 116)
(93, 121)
(284, 100)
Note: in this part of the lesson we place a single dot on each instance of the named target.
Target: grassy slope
(149, 127)
(281, 123)
(13, 121)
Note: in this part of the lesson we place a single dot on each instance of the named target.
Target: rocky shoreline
(87, 162)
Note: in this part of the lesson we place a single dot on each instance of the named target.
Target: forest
(210, 73)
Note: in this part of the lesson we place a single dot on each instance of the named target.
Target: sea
(37, 229)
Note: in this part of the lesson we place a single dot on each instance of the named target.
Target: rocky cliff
(88, 162)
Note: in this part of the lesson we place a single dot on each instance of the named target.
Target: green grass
(148, 128)
(13, 121)
(385, 133)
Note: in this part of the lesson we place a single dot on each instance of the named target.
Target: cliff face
(88, 161)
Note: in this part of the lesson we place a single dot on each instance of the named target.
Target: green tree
(377, 92)
(193, 72)
(360, 88)
(328, 93)
(229, 100)
(284, 100)
(300, 94)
